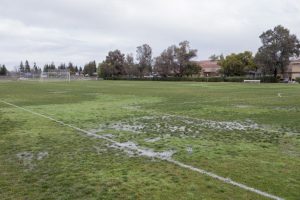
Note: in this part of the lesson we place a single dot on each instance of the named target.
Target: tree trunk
(275, 73)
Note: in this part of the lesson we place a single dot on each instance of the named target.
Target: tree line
(278, 47)
(273, 57)
(90, 68)
(174, 61)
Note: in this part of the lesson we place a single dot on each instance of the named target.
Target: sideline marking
(180, 164)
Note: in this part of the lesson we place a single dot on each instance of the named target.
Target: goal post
(56, 75)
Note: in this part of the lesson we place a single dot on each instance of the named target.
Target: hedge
(266, 79)
(298, 79)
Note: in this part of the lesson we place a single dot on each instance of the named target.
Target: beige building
(293, 70)
(209, 68)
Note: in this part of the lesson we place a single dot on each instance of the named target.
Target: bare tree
(144, 58)
(184, 54)
(165, 63)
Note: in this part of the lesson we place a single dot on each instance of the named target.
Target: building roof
(295, 62)
(209, 66)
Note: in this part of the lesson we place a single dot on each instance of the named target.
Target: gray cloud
(84, 30)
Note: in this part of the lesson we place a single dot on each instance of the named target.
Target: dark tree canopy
(62, 66)
(90, 68)
(73, 69)
(35, 68)
(3, 70)
(183, 55)
(21, 67)
(215, 57)
(144, 58)
(131, 68)
(176, 61)
(114, 64)
(278, 46)
(27, 66)
(165, 64)
(192, 68)
(237, 64)
(49, 67)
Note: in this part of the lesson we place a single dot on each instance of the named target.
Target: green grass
(180, 115)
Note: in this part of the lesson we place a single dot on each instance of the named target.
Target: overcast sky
(84, 30)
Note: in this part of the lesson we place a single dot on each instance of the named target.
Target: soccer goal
(56, 75)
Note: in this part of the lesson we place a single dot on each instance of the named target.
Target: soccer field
(149, 140)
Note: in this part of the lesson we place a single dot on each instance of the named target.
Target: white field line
(180, 164)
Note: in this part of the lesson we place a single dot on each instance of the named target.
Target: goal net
(56, 75)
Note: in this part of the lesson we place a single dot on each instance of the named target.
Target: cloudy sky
(84, 30)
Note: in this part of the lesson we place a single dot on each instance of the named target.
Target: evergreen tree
(21, 67)
(46, 68)
(62, 66)
(3, 70)
(71, 68)
(27, 66)
(35, 68)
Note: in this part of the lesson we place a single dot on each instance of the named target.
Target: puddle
(58, 92)
(152, 140)
(174, 125)
(133, 149)
(242, 106)
(41, 155)
(189, 150)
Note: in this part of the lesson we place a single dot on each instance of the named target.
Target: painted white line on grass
(158, 156)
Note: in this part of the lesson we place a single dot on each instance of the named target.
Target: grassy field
(248, 133)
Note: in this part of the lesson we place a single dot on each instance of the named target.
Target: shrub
(298, 79)
(235, 79)
(268, 79)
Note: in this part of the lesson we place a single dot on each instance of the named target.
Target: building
(209, 68)
(293, 70)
